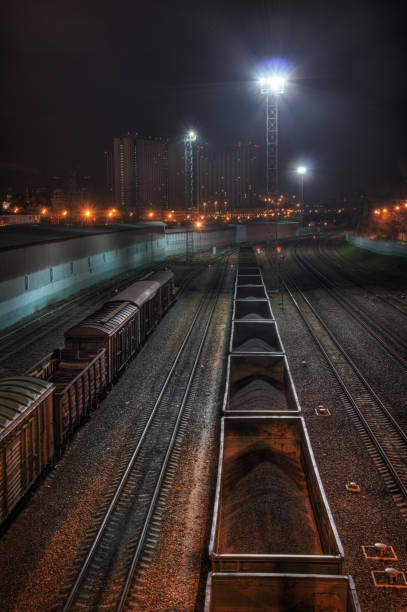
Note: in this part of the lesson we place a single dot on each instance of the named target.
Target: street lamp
(301, 170)
(272, 86)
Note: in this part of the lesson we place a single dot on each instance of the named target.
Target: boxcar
(114, 327)
(259, 384)
(80, 382)
(255, 337)
(153, 297)
(165, 278)
(26, 436)
(242, 592)
(270, 511)
(145, 295)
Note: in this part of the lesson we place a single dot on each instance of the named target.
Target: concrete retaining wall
(202, 240)
(382, 247)
(34, 275)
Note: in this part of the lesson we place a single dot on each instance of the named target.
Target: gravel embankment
(175, 579)
(361, 519)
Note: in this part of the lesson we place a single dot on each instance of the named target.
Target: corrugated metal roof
(138, 293)
(162, 277)
(18, 394)
(106, 320)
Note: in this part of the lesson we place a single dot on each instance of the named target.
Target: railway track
(338, 261)
(105, 572)
(386, 338)
(385, 440)
(19, 338)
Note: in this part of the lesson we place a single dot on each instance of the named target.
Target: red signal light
(278, 249)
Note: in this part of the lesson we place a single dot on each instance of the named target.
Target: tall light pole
(189, 192)
(272, 87)
(301, 170)
(189, 170)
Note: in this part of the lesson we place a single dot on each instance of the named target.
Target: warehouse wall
(35, 275)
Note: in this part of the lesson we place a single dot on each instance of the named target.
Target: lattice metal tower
(189, 191)
(189, 170)
(272, 87)
(272, 146)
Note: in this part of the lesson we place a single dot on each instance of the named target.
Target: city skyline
(74, 77)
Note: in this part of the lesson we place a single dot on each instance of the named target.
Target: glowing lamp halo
(273, 83)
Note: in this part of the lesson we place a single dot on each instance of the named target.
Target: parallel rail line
(107, 572)
(392, 344)
(385, 440)
(334, 258)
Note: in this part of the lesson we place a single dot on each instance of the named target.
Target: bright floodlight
(191, 135)
(273, 84)
(301, 169)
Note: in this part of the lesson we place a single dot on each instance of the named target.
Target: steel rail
(401, 485)
(109, 512)
(136, 556)
(372, 328)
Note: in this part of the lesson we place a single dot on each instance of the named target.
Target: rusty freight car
(114, 327)
(123, 323)
(259, 384)
(26, 437)
(243, 592)
(80, 382)
(252, 310)
(256, 292)
(255, 337)
(270, 513)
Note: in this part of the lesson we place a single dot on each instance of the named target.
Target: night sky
(76, 74)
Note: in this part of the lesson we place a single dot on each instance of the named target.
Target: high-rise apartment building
(108, 158)
(141, 171)
(228, 175)
(176, 175)
(124, 172)
(152, 173)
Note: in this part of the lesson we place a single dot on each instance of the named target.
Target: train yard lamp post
(189, 170)
(272, 87)
(189, 191)
(301, 170)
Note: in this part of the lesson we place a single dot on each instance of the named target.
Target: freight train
(273, 544)
(40, 411)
